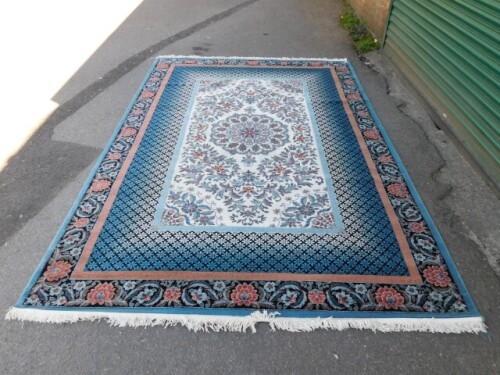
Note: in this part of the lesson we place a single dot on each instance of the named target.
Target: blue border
(339, 225)
(420, 204)
(87, 183)
(473, 312)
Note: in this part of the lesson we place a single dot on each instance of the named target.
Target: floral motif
(56, 291)
(249, 148)
(324, 220)
(100, 185)
(128, 132)
(129, 285)
(199, 296)
(57, 270)
(389, 298)
(256, 134)
(79, 285)
(147, 94)
(101, 294)
(186, 208)
(316, 297)
(439, 294)
(385, 159)
(372, 134)
(172, 217)
(289, 298)
(344, 298)
(437, 276)
(310, 209)
(220, 286)
(397, 190)
(81, 222)
(172, 294)
(244, 294)
(417, 227)
(270, 286)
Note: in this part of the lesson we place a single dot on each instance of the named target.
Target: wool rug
(237, 191)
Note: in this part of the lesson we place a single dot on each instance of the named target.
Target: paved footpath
(41, 182)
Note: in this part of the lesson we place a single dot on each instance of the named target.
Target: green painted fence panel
(450, 51)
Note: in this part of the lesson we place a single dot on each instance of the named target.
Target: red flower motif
(316, 297)
(253, 63)
(397, 190)
(417, 227)
(244, 294)
(162, 65)
(315, 63)
(219, 169)
(199, 138)
(437, 276)
(385, 159)
(147, 94)
(81, 222)
(100, 185)
(354, 96)
(371, 134)
(389, 298)
(363, 114)
(342, 69)
(172, 294)
(128, 132)
(278, 169)
(57, 270)
(349, 82)
(248, 189)
(189, 61)
(114, 156)
(101, 294)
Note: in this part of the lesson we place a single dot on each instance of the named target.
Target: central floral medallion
(249, 134)
(249, 160)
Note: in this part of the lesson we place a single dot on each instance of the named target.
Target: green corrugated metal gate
(450, 51)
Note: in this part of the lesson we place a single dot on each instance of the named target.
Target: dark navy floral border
(441, 293)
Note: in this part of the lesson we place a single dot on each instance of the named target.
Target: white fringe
(251, 58)
(243, 323)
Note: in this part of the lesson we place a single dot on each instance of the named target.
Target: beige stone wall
(374, 12)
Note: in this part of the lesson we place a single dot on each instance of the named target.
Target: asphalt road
(41, 181)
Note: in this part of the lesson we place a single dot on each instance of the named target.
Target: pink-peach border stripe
(79, 272)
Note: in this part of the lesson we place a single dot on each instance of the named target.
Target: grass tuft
(358, 31)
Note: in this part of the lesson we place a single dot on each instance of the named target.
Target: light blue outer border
(473, 312)
(339, 225)
(420, 204)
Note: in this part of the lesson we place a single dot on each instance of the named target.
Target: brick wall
(374, 12)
